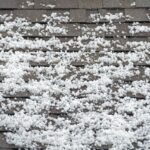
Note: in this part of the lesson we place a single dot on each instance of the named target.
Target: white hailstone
(91, 97)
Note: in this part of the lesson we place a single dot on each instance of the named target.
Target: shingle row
(87, 4)
(81, 15)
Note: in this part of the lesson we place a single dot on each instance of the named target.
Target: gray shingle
(136, 15)
(119, 3)
(8, 4)
(73, 30)
(129, 3)
(90, 13)
(78, 15)
(4, 145)
(66, 4)
(143, 3)
(45, 4)
(24, 94)
(31, 15)
(90, 4)
(112, 3)
(23, 4)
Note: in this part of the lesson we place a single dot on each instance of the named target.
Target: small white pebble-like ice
(74, 100)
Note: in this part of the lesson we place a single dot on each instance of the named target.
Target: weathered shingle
(67, 4)
(136, 14)
(143, 3)
(30, 15)
(24, 4)
(8, 4)
(4, 145)
(90, 4)
(45, 4)
(112, 3)
(129, 3)
(78, 15)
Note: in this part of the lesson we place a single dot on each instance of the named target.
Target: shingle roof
(75, 74)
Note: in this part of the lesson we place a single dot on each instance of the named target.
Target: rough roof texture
(75, 74)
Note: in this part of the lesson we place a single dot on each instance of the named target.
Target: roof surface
(75, 74)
